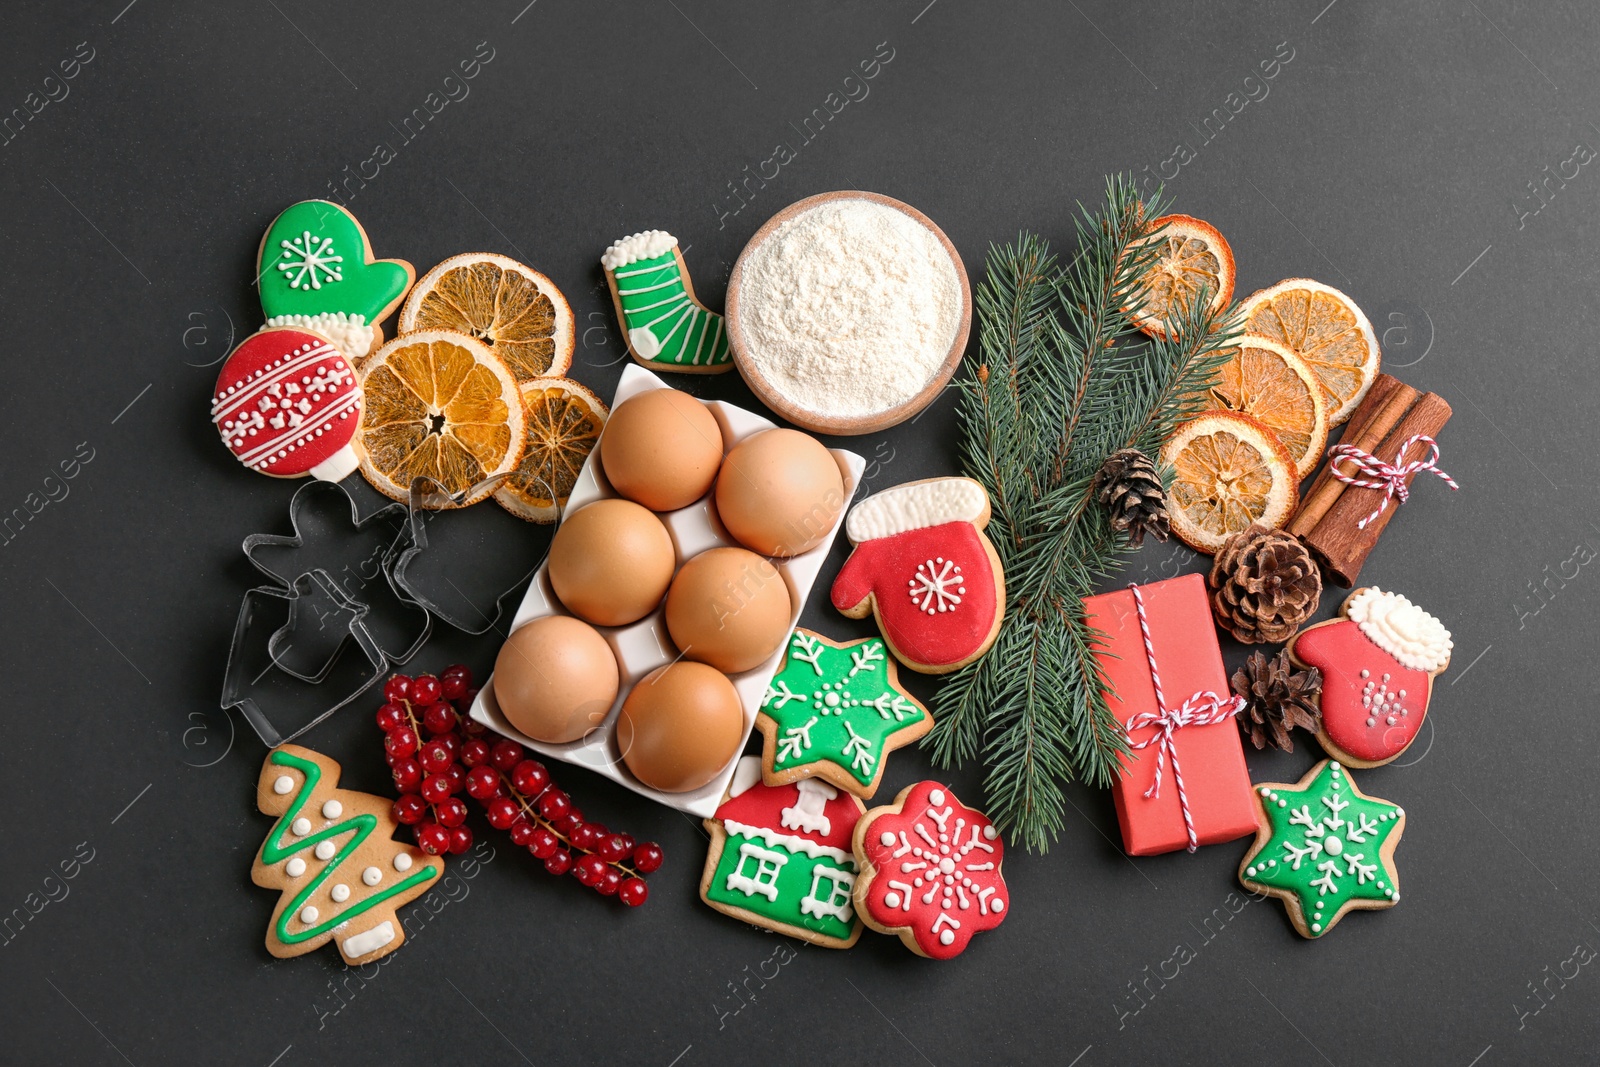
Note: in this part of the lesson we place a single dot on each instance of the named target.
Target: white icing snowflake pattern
(1328, 842)
(937, 585)
(309, 263)
(1382, 704)
(941, 863)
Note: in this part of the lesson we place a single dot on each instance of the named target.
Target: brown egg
(555, 679)
(679, 726)
(779, 492)
(610, 562)
(661, 449)
(729, 608)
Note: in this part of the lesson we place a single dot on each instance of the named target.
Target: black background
(1390, 157)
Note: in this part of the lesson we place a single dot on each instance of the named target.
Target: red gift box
(1198, 765)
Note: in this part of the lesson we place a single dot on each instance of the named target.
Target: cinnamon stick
(1337, 542)
(1384, 405)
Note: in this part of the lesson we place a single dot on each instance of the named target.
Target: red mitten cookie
(930, 871)
(1378, 663)
(924, 569)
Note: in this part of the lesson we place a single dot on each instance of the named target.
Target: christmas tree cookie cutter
(645, 645)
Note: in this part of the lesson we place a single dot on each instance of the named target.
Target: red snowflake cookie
(930, 871)
(287, 404)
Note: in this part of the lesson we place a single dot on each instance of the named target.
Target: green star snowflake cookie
(1324, 848)
(834, 711)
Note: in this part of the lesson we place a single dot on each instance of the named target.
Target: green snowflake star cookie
(1324, 848)
(834, 711)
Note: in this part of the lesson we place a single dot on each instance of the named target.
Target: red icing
(1341, 652)
(763, 805)
(1214, 773)
(954, 555)
(977, 898)
(276, 391)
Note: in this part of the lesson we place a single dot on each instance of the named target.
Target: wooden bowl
(844, 425)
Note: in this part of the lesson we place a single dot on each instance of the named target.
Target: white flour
(850, 308)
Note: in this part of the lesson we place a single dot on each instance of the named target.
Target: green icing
(663, 322)
(837, 704)
(794, 881)
(314, 261)
(275, 850)
(1325, 845)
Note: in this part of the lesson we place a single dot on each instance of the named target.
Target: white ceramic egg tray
(645, 645)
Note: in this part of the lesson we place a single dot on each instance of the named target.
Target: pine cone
(1277, 699)
(1264, 584)
(1130, 488)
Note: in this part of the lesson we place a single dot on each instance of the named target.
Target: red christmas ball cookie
(287, 404)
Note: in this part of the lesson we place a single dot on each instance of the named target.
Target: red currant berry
(482, 782)
(521, 831)
(543, 843)
(627, 844)
(400, 742)
(452, 741)
(502, 812)
(433, 838)
(439, 718)
(452, 812)
(633, 892)
(435, 758)
(397, 688)
(456, 680)
(558, 862)
(474, 751)
(460, 840)
(584, 837)
(610, 881)
(425, 689)
(410, 809)
(471, 728)
(647, 857)
(407, 775)
(529, 778)
(588, 869)
(569, 823)
(505, 755)
(457, 775)
(612, 848)
(435, 788)
(554, 804)
(391, 716)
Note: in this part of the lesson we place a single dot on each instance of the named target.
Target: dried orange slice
(438, 405)
(563, 421)
(1272, 385)
(1228, 471)
(512, 308)
(1324, 328)
(1192, 256)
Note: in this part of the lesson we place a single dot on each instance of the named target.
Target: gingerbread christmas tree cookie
(834, 711)
(780, 857)
(333, 856)
(1324, 848)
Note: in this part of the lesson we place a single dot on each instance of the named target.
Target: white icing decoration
(837, 901)
(764, 879)
(915, 507)
(372, 876)
(340, 893)
(326, 850)
(789, 841)
(807, 813)
(402, 862)
(360, 944)
(307, 262)
(308, 914)
(936, 587)
(295, 867)
(283, 785)
(746, 774)
(886, 838)
(349, 333)
(300, 827)
(332, 809)
(936, 796)
(1396, 625)
(646, 244)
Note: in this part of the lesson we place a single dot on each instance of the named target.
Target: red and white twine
(1391, 478)
(1203, 708)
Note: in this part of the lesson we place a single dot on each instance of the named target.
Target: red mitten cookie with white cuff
(924, 569)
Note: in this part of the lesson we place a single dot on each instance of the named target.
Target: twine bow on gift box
(1392, 478)
(1203, 708)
